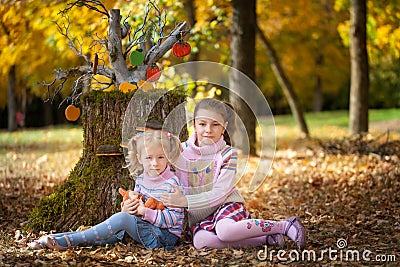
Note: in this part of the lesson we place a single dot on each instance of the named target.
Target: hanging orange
(127, 87)
(72, 113)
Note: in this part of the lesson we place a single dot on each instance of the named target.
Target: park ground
(345, 190)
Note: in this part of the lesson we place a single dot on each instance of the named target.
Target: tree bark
(243, 59)
(285, 83)
(12, 102)
(114, 47)
(47, 114)
(358, 121)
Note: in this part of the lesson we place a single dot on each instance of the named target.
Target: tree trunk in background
(284, 82)
(190, 11)
(90, 194)
(12, 102)
(47, 115)
(243, 59)
(358, 121)
(318, 97)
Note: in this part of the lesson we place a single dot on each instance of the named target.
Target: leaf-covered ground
(347, 193)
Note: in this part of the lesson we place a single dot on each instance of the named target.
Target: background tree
(310, 37)
(243, 59)
(11, 29)
(27, 29)
(12, 105)
(285, 83)
(304, 35)
(90, 193)
(359, 68)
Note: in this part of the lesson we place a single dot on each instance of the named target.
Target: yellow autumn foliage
(299, 30)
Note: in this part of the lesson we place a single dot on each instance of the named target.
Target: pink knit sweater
(207, 174)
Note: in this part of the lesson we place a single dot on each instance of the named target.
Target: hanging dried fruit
(137, 57)
(127, 87)
(181, 49)
(72, 113)
(153, 73)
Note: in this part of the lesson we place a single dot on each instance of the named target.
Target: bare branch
(136, 40)
(157, 51)
(149, 34)
(90, 4)
(160, 22)
(64, 31)
(82, 77)
(144, 32)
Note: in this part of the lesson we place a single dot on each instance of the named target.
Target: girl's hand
(141, 209)
(175, 199)
(130, 206)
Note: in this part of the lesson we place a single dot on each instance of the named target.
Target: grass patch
(329, 125)
(337, 118)
(53, 138)
(40, 153)
(66, 141)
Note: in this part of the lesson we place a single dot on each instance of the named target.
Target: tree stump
(90, 194)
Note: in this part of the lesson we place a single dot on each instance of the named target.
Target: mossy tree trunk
(90, 194)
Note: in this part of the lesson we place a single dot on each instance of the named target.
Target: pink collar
(157, 180)
(207, 149)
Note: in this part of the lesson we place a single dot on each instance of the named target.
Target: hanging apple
(153, 73)
(137, 57)
(181, 48)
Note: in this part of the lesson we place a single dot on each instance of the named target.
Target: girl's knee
(120, 215)
(121, 219)
(223, 232)
(201, 239)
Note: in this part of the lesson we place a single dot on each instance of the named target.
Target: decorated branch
(127, 59)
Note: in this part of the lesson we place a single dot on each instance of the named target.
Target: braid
(231, 119)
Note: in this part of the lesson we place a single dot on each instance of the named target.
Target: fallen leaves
(353, 195)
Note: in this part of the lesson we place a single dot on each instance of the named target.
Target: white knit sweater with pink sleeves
(207, 174)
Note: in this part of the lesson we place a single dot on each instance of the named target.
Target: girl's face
(153, 159)
(209, 126)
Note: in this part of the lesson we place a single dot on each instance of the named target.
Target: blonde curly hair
(136, 145)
